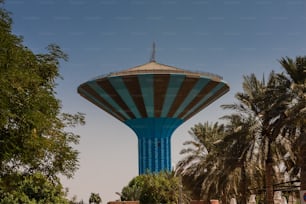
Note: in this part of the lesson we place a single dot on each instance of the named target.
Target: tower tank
(153, 99)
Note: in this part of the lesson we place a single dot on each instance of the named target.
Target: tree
(75, 201)
(216, 164)
(95, 198)
(31, 189)
(238, 163)
(150, 188)
(252, 138)
(267, 104)
(296, 113)
(198, 160)
(33, 131)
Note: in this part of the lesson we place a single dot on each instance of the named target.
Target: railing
(159, 71)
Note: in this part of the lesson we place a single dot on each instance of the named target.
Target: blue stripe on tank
(162, 154)
(212, 92)
(168, 153)
(149, 160)
(140, 159)
(156, 154)
(146, 85)
(121, 89)
(173, 87)
(192, 94)
(107, 97)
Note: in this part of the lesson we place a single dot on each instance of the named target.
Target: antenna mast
(153, 53)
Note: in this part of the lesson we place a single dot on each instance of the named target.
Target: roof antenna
(153, 53)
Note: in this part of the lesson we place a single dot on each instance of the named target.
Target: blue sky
(230, 38)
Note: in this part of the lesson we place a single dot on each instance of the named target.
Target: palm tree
(256, 136)
(196, 164)
(95, 198)
(238, 147)
(217, 163)
(296, 113)
(267, 104)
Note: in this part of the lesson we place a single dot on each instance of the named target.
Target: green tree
(238, 159)
(267, 104)
(277, 109)
(296, 112)
(95, 198)
(199, 159)
(30, 189)
(33, 131)
(155, 188)
(249, 146)
(216, 162)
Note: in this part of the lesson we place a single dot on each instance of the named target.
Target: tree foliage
(266, 131)
(33, 131)
(193, 166)
(153, 188)
(295, 123)
(30, 189)
(95, 198)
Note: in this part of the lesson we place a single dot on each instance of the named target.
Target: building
(153, 99)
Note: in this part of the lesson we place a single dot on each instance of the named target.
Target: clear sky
(230, 38)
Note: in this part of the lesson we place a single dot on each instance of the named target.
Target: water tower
(153, 99)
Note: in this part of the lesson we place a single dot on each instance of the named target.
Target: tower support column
(154, 142)
(154, 154)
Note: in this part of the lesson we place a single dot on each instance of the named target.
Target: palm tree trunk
(269, 177)
(303, 160)
(224, 198)
(303, 168)
(243, 186)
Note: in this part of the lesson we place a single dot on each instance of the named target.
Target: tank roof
(157, 68)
